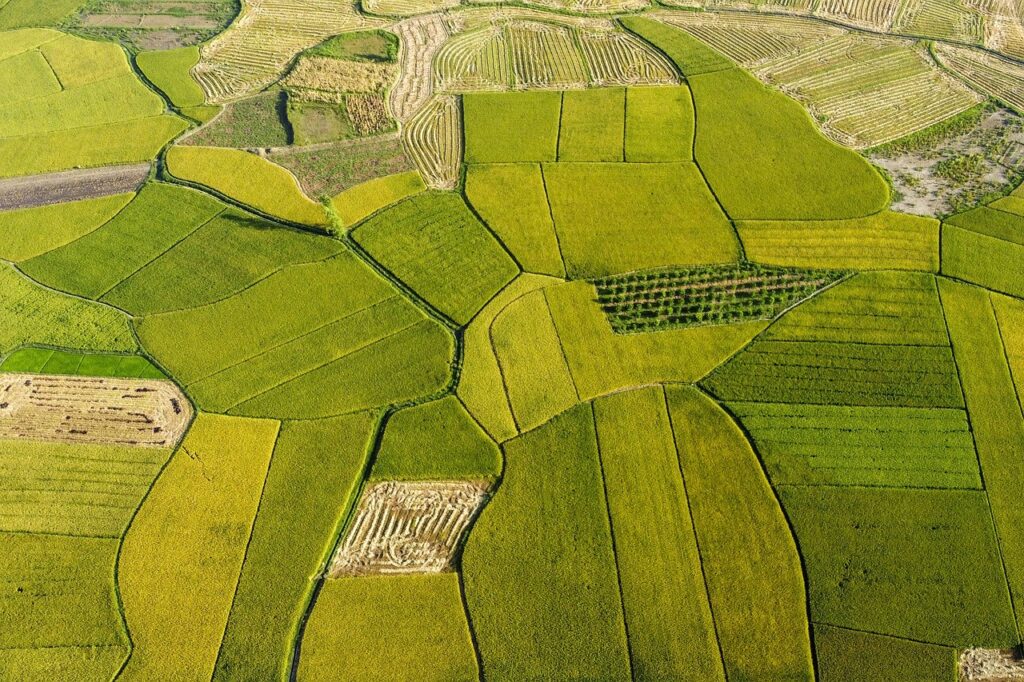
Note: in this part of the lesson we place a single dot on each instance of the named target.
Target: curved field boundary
(73, 185)
(520, 54)
(434, 140)
(420, 38)
(991, 75)
(264, 39)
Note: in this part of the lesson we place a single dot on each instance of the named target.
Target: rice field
(997, 78)
(255, 50)
(433, 138)
(533, 54)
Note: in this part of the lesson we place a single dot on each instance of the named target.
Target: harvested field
(408, 527)
(517, 54)
(998, 78)
(74, 409)
(991, 665)
(73, 185)
(420, 38)
(434, 140)
(257, 48)
(368, 114)
(321, 78)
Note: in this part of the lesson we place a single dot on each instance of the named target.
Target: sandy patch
(991, 665)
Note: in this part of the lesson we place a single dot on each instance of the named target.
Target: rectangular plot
(548, 519)
(863, 445)
(920, 564)
(671, 630)
(65, 592)
(659, 124)
(524, 226)
(616, 217)
(592, 125)
(995, 416)
(840, 374)
(490, 118)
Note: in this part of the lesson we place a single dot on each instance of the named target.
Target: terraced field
(594, 360)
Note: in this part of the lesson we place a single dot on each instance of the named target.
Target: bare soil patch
(408, 527)
(73, 409)
(72, 185)
(959, 171)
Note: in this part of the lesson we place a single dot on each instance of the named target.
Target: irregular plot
(227, 254)
(437, 247)
(313, 475)
(520, 53)
(384, 628)
(31, 314)
(613, 218)
(438, 440)
(258, 121)
(114, 143)
(547, 519)
(329, 169)
(53, 188)
(90, 490)
(67, 409)
(157, 219)
(762, 154)
(525, 226)
(995, 76)
(850, 655)
(691, 56)
(481, 372)
(407, 527)
(420, 38)
(170, 71)
(920, 564)
(996, 418)
(360, 202)
(490, 116)
(841, 349)
(248, 179)
(884, 241)
(665, 600)
(177, 587)
(656, 300)
(985, 247)
(434, 139)
(281, 347)
(753, 571)
(592, 126)
(30, 232)
(532, 366)
(897, 446)
(255, 50)
(154, 24)
(602, 361)
(95, 88)
(869, 90)
(659, 124)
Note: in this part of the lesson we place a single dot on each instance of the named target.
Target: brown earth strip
(54, 188)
